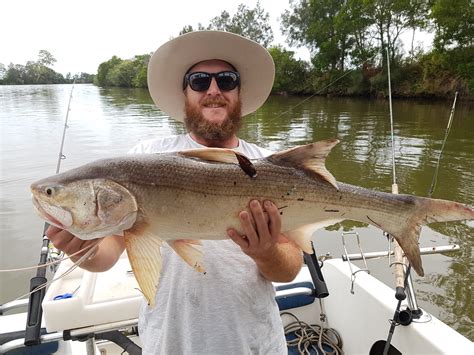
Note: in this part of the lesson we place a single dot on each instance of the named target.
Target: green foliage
(453, 70)
(454, 23)
(189, 28)
(104, 69)
(291, 75)
(247, 22)
(343, 37)
(38, 72)
(45, 58)
(124, 73)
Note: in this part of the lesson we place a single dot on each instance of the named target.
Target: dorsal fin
(221, 155)
(310, 157)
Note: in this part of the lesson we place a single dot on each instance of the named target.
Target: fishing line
(88, 254)
(58, 261)
(448, 128)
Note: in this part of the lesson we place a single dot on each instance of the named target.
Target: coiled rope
(312, 337)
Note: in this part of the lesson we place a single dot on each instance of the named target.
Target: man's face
(212, 114)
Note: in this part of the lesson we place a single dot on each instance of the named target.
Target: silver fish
(184, 197)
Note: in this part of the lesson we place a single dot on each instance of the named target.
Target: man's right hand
(103, 258)
(67, 242)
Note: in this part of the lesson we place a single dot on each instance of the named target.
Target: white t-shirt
(229, 310)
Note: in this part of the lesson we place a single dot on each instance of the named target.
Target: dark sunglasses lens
(199, 81)
(227, 81)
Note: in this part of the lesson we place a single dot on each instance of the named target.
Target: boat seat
(294, 301)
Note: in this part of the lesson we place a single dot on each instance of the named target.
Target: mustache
(213, 101)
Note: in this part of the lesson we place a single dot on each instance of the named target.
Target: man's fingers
(274, 219)
(240, 240)
(261, 221)
(248, 226)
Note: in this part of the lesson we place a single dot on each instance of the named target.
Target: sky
(81, 34)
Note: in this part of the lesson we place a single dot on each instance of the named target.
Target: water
(108, 122)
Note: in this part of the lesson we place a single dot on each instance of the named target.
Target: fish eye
(49, 191)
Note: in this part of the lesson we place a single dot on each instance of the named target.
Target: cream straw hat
(171, 61)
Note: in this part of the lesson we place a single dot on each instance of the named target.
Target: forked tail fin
(422, 211)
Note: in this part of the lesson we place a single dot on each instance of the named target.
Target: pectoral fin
(143, 252)
(189, 252)
(302, 235)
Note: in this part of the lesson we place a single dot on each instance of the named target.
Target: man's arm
(277, 258)
(103, 258)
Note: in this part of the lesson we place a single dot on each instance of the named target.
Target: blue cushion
(294, 301)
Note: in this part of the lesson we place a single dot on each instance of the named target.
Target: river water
(108, 122)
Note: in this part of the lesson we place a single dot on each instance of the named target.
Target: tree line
(349, 43)
(39, 72)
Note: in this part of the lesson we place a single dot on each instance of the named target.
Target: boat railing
(416, 313)
(13, 305)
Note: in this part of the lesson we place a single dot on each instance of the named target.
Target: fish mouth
(45, 215)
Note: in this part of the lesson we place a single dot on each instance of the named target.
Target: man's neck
(232, 142)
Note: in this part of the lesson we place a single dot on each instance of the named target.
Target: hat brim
(169, 64)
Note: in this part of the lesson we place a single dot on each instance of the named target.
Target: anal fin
(302, 236)
(187, 250)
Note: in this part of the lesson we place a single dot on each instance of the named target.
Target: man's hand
(277, 259)
(261, 228)
(67, 242)
(104, 257)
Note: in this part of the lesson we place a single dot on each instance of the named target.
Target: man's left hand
(261, 230)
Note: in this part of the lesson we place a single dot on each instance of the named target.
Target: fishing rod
(401, 277)
(37, 289)
(448, 128)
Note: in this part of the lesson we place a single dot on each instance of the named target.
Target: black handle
(320, 287)
(35, 311)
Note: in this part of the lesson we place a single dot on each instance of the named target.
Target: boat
(332, 305)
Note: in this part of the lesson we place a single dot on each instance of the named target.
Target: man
(209, 79)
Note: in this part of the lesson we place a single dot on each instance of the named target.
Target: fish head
(88, 208)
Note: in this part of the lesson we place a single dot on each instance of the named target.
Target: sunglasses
(200, 81)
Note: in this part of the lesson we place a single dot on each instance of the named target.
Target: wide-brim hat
(172, 60)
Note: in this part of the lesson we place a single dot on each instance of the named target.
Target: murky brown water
(107, 122)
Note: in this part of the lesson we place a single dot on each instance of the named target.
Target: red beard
(213, 131)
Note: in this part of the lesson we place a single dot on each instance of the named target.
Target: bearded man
(209, 80)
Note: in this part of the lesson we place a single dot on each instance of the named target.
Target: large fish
(184, 197)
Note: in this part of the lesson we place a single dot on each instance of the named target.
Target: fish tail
(424, 211)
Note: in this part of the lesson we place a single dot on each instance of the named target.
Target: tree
(189, 28)
(3, 72)
(45, 58)
(15, 74)
(336, 32)
(418, 16)
(291, 75)
(121, 74)
(250, 23)
(103, 71)
(454, 23)
(141, 67)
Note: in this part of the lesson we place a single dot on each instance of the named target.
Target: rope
(313, 337)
